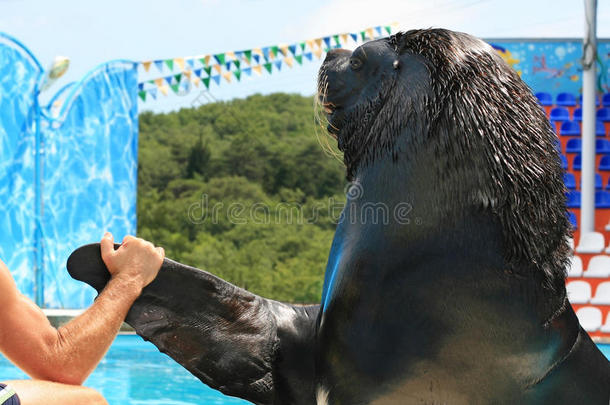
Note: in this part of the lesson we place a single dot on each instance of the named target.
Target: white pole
(587, 206)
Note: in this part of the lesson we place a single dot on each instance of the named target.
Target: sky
(93, 32)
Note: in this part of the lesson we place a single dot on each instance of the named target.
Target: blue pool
(134, 372)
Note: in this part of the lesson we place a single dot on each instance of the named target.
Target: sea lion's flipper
(234, 341)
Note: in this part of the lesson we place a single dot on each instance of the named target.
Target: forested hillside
(244, 190)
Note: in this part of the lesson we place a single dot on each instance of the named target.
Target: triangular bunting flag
(146, 65)
(257, 59)
(237, 63)
(153, 93)
(187, 73)
(220, 58)
(318, 53)
(208, 70)
(344, 38)
(247, 71)
(284, 50)
(363, 35)
(318, 42)
(170, 63)
(230, 55)
(293, 49)
(196, 81)
(258, 69)
(248, 55)
(303, 45)
(308, 55)
(179, 62)
(370, 33)
(191, 63)
(205, 60)
(175, 87)
(197, 72)
(228, 66)
(337, 41)
(216, 78)
(168, 79)
(266, 52)
(299, 59)
(142, 95)
(159, 65)
(274, 51)
(178, 77)
(159, 82)
(239, 55)
(327, 41)
(354, 37)
(268, 67)
(217, 68)
(310, 43)
(206, 82)
(140, 86)
(164, 89)
(237, 74)
(227, 76)
(151, 81)
(278, 64)
(378, 29)
(289, 61)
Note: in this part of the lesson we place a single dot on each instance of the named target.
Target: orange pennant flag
(164, 89)
(319, 42)
(284, 49)
(229, 55)
(159, 82)
(187, 73)
(344, 38)
(309, 43)
(196, 81)
(318, 53)
(179, 62)
(227, 76)
(218, 68)
(206, 59)
(258, 69)
(370, 33)
(289, 61)
(146, 65)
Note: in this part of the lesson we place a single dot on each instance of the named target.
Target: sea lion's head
(448, 100)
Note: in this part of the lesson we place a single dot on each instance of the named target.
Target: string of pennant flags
(180, 75)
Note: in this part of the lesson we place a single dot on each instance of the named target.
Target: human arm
(70, 353)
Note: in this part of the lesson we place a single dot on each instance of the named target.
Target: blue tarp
(65, 179)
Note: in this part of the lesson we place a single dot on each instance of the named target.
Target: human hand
(136, 260)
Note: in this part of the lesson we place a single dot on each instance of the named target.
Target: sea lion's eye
(355, 63)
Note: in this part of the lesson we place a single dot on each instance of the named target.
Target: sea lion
(445, 282)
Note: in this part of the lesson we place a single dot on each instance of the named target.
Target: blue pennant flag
(197, 72)
(278, 64)
(354, 37)
(247, 71)
(308, 55)
(293, 49)
(257, 58)
(378, 29)
(153, 92)
(266, 52)
(140, 86)
(159, 65)
(191, 63)
(228, 65)
(169, 79)
(239, 55)
(216, 78)
(327, 41)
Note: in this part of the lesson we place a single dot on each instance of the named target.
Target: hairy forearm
(81, 343)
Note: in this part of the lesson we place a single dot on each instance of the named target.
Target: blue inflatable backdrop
(65, 176)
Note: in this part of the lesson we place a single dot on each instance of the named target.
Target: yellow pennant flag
(229, 56)
(179, 62)
(370, 33)
(289, 61)
(257, 51)
(159, 82)
(318, 42)
(218, 68)
(318, 53)
(163, 89)
(258, 69)
(146, 65)
(309, 43)
(344, 38)
(196, 81)
(187, 73)
(227, 76)
(206, 60)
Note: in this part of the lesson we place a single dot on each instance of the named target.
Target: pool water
(135, 372)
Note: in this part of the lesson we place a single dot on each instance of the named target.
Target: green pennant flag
(206, 81)
(142, 95)
(170, 63)
(151, 81)
(237, 74)
(268, 67)
(336, 37)
(208, 70)
(178, 77)
(202, 60)
(220, 58)
(388, 29)
(248, 55)
(363, 35)
(237, 63)
(299, 59)
(275, 50)
(303, 45)
(175, 87)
